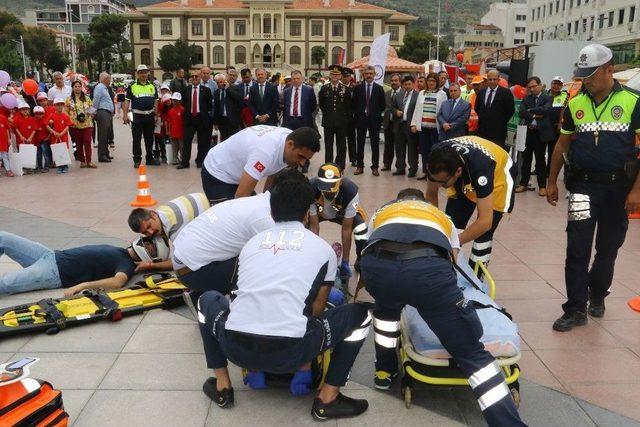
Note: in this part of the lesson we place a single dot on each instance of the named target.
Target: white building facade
(511, 18)
(75, 16)
(615, 23)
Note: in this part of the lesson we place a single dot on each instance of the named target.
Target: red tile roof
(394, 64)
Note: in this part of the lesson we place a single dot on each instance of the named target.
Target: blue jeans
(43, 155)
(39, 271)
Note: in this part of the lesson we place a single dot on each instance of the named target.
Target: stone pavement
(148, 370)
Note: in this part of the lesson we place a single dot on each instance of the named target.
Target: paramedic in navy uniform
(408, 260)
(277, 322)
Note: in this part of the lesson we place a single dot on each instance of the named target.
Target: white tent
(626, 75)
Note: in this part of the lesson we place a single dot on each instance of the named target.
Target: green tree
(415, 47)
(11, 60)
(107, 34)
(178, 55)
(10, 27)
(44, 54)
(318, 55)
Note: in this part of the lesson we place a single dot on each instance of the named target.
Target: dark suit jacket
(308, 105)
(205, 101)
(397, 104)
(492, 122)
(377, 103)
(267, 105)
(233, 104)
(544, 107)
(457, 118)
(390, 118)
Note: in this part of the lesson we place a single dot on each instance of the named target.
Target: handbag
(28, 154)
(15, 162)
(60, 154)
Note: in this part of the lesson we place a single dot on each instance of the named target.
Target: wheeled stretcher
(424, 359)
(53, 314)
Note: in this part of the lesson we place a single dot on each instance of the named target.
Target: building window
(295, 55)
(394, 33)
(144, 31)
(601, 21)
(557, 6)
(217, 55)
(367, 28)
(592, 20)
(335, 55)
(621, 17)
(533, 15)
(521, 17)
(365, 51)
(632, 13)
(550, 8)
(166, 28)
(316, 28)
(337, 28)
(217, 27)
(240, 27)
(577, 3)
(145, 56)
(199, 55)
(530, 37)
(196, 27)
(610, 20)
(564, 3)
(569, 28)
(520, 29)
(266, 24)
(240, 54)
(90, 9)
(295, 28)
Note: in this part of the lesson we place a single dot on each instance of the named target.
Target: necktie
(490, 98)
(194, 101)
(261, 91)
(295, 104)
(405, 104)
(453, 107)
(246, 90)
(222, 99)
(366, 109)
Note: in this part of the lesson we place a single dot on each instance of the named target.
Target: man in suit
(402, 106)
(197, 101)
(350, 82)
(369, 105)
(494, 106)
(206, 79)
(334, 99)
(244, 87)
(390, 123)
(263, 100)
(227, 106)
(453, 115)
(299, 103)
(536, 111)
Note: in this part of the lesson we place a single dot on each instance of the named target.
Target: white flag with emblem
(378, 56)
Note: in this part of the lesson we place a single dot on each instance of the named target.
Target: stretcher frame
(414, 366)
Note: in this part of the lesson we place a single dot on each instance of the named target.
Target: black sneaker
(223, 399)
(569, 320)
(596, 308)
(153, 162)
(383, 380)
(136, 165)
(341, 407)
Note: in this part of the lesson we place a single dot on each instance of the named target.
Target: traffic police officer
(335, 100)
(408, 261)
(350, 82)
(336, 199)
(142, 99)
(599, 137)
(560, 98)
(475, 172)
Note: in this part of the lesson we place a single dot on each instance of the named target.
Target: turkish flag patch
(258, 166)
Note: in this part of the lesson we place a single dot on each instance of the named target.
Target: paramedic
(599, 136)
(476, 173)
(233, 169)
(166, 221)
(408, 260)
(277, 322)
(336, 199)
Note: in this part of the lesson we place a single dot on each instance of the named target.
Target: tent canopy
(394, 64)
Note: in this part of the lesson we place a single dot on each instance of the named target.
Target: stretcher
(424, 359)
(51, 315)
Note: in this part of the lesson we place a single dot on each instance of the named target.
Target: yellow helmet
(329, 178)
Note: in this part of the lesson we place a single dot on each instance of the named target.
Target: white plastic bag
(15, 162)
(28, 154)
(60, 154)
(521, 138)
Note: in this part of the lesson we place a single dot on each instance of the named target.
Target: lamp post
(24, 57)
(73, 40)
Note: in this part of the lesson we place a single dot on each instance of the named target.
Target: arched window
(295, 55)
(335, 55)
(217, 56)
(199, 55)
(365, 51)
(145, 56)
(241, 55)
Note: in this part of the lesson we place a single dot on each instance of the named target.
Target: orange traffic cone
(143, 198)
(635, 215)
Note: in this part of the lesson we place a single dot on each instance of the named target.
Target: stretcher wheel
(515, 393)
(407, 397)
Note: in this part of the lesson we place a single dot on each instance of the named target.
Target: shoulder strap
(52, 312)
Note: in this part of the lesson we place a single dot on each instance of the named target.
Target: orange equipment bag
(30, 402)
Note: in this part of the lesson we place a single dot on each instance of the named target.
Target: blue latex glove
(301, 383)
(345, 269)
(255, 380)
(336, 297)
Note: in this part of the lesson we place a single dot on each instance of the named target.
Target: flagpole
(438, 35)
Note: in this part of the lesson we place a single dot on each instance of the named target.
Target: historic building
(276, 34)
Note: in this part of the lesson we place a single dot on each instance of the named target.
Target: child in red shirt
(24, 127)
(43, 102)
(175, 126)
(5, 129)
(43, 159)
(58, 125)
(160, 134)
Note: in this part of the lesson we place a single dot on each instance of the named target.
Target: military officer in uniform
(599, 138)
(335, 100)
(349, 81)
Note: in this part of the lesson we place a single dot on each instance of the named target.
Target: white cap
(287, 77)
(141, 67)
(558, 79)
(41, 95)
(165, 86)
(22, 104)
(166, 97)
(38, 109)
(58, 101)
(590, 58)
(177, 96)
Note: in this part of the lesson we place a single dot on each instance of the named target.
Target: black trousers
(336, 134)
(143, 126)
(592, 205)
(389, 145)
(227, 128)
(406, 148)
(534, 147)
(460, 210)
(351, 140)
(431, 286)
(216, 190)
(216, 276)
(372, 126)
(199, 126)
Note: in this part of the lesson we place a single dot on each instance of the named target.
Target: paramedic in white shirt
(232, 170)
(277, 322)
